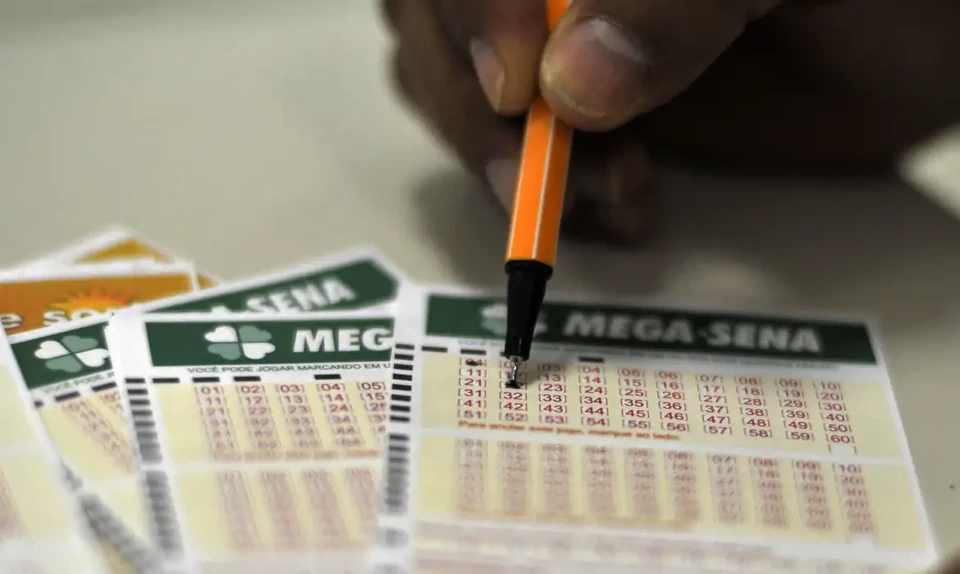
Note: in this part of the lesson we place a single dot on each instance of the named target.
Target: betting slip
(68, 372)
(259, 436)
(42, 528)
(684, 440)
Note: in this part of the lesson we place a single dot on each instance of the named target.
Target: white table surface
(248, 135)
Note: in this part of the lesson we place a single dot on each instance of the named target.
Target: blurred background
(250, 135)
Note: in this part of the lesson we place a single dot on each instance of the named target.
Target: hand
(749, 83)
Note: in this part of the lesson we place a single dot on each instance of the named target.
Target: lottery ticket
(68, 372)
(114, 243)
(356, 279)
(34, 298)
(685, 440)
(259, 436)
(42, 530)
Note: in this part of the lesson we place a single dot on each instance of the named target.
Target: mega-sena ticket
(259, 437)
(680, 440)
(70, 375)
(42, 530)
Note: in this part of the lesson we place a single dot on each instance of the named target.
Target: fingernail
(594, 68)
(502, 177)
(489, 71)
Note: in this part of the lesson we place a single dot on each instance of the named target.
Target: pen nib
(513, 383)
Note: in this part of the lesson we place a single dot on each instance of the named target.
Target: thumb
(610, 60)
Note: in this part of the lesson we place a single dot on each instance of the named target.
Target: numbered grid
(627, 402)
(629, 488)
(247, 511)
(274, 421)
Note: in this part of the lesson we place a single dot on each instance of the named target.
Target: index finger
(610, 60)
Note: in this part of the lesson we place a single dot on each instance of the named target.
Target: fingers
(608, 194)
(610, 60)
(442, 87)
(504, 40)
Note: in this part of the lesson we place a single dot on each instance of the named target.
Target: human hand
(793, 84)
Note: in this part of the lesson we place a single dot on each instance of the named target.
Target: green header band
(655, 329)
(64, 356)
(238, 342)
(354, 285)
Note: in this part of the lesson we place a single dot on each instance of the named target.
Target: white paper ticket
(42, 530)
(68, 372)
(682, 440)
(259, 437)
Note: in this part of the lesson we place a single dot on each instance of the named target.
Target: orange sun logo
(95, 300)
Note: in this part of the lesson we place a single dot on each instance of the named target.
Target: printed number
(514, 417)
(472, 382)
(717, 409)
(551, 398)
(793, 404)
(553, 420)
(595, 422)
(671, 426)
(799, 435)
(553, 408)
(593, 401)
(513, 406)
(472, 403)
(713, 429)
(840, 438)
(758, 433)
(716, 419)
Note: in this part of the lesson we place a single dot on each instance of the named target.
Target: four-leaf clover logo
(247, 341)
(71, 354)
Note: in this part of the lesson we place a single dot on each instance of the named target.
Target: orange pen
(535, 226)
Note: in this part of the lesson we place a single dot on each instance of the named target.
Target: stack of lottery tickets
(336, 418)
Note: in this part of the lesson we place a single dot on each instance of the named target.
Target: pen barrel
(538, 201)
